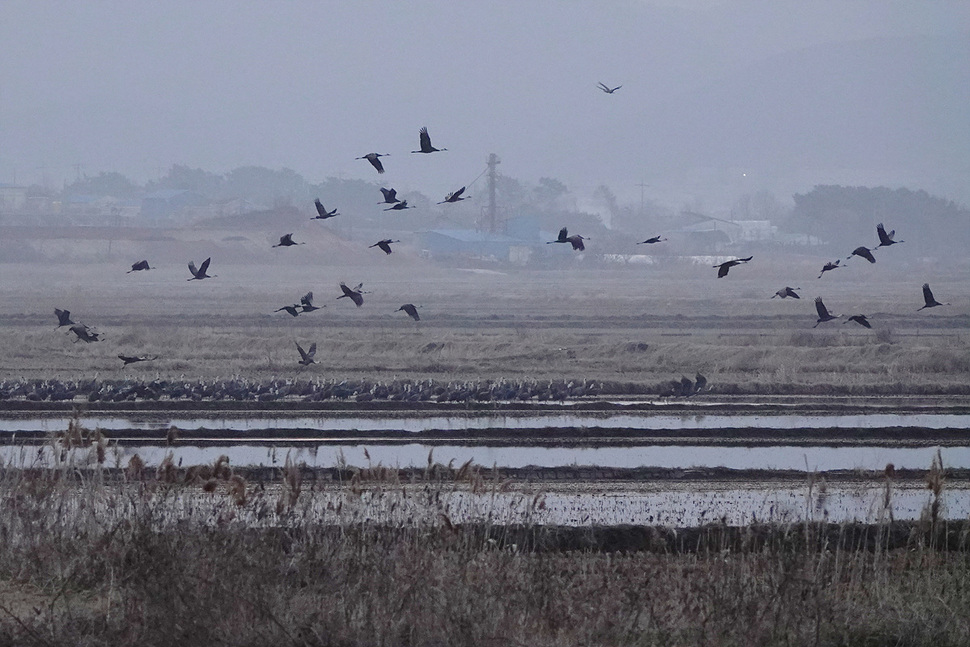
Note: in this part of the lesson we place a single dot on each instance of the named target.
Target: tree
(113, 184)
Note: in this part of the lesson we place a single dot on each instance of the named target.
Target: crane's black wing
(884, 238)
(928, 295)
(425, 140)
(303, 354)
(864, 253)
(823, 312)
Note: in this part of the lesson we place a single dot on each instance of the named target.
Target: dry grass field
(587, 320)
(159, 559)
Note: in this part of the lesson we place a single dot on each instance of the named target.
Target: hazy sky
(135, 87)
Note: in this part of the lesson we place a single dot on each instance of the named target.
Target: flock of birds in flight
(355, 294)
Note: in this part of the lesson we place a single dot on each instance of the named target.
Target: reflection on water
(415, 422)
(416, 455)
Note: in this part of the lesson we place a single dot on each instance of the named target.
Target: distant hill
(897, 108)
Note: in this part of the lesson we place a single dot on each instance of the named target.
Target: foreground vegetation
(198, 556)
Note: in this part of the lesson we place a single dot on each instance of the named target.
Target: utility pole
(490, 221)
(642, 187)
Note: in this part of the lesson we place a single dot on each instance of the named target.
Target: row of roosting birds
(242, 390)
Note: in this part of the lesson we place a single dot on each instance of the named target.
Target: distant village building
(12, 197)
(516, 245)
(169, 202)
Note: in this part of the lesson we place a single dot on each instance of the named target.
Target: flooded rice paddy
(416, 422)
(813, 444)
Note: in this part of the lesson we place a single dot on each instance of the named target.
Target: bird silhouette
(885, 240)
(426, 146)
(401, 205)
(864, 252)
(286, 240)
(607, 89)
(651, 241)
(786, 292)
(928, 298)
(575, 240)
(291, 310)
(700, 384)
(306, 302)
(84, 333)
(200, 273)
(63, 317)
(411, 311)
(355, 294)
(385, 245)
(862, 320)
(131, 359)
(727, 265)
(373, 159)
(390, 196)
(322, 213)
(306, 356)
(829, 266)
(823, 313)
(136, 267)
(455, 196)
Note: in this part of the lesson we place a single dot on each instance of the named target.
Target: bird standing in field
(727, 265)
(384, 245)
(373, 159)
(829, 266)
(823, 312)
(455, 196)
(131, 359)
(401, 205)
(63, 317)
(286, 240)
(355, 294)
(426, 146)
(411, 310)
(651, 241)
(862, 320)
(137, 267)
(575, 240)
(928, 298)
(306, 356)
(322, 213)
(200, 273)
(864, 252)
(390, 196)
(607, 89)
(885, 240)
(786, 292)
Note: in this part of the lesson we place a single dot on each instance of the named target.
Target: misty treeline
(828, 215)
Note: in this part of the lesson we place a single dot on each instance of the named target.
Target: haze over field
(718, 99)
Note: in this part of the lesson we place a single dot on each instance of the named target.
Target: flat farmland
(587, 320)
